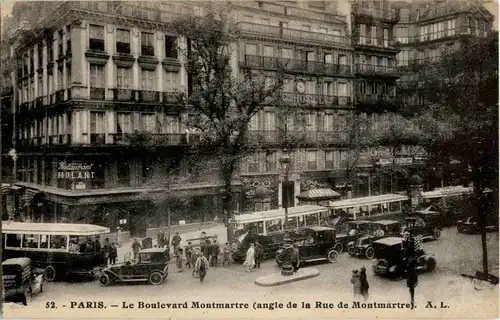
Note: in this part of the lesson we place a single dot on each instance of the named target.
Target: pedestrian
(203, 237)
(176, 241)
(214, 254)
(364, 283)
(226, 254)
(356, 285)
(194, 258)
(189, 251)
(136, 247)
(106, 248)
(113, 253)
(180, 260)
(206, 250)
(259, 254)
(250, 258)
(97, 244)
(160, 237)
(201, 267)
(295, 259)
(118, 235)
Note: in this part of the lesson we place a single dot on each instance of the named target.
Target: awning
(318, 195)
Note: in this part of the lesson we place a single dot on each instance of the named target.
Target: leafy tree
(462, 123)
(222, 102)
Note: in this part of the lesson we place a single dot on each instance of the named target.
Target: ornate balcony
(375, 43)
(264, 136)
(123, 95)
(253, 29)
(315, 100)
(97, 93)
(172, 97)
(365, 12)
(372, 70)
(149, 96)
(296, 65)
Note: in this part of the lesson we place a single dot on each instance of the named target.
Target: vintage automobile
(428, 224)
(19, 280)
(150, 266)
(471, 224)
(380, 229)
(349, 232)
(314, 244)
(391, 260)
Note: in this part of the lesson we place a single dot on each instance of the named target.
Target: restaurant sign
(75, 171)
(396, 161)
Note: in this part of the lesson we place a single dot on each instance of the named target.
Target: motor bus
(58, 249)
(374, 207)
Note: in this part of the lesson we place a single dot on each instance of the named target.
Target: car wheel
(49, 273)
(104, 280)
(332, 256)
(155, 278)
(437, 234)
(382, 263)
(430, 264)
(369, 253)
(351, 250)
(338, 247)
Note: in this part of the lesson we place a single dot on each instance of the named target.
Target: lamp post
(285, 165)
(410, 252)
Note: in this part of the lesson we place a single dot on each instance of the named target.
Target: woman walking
(364, 283)
(250, 258)
(201, 267)
(356, 285)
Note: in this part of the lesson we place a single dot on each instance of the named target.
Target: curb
(261, 282)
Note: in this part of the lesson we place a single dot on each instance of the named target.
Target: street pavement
(455, 253)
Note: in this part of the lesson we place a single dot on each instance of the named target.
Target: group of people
(110, 251)
(253, 257)
(360, 284)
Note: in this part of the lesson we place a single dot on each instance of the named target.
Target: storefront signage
(75, 171)
(306, 98)
(396, 161)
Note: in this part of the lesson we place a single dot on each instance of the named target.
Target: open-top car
(350, 232)
(380, 229)
(392, 262)
(151, 266)
(428, 224)
(316, 243)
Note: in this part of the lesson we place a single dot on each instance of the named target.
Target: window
(96, 76)
(310, 87)
(287, 53)
(122, 41)
(402, 58)
(265, 21)
(253, 163)
(96, 40)
(306, 27)
(287, 85)
(40, 85)
(323, 30)
(123, 123)
(50, 50)
(251, 49)
(148, 122)
(60, 79)
(148, 80)
(402, 34)
(451, 27)
(310, 56)
(171, 81)
(374, 35)
(268, 51)
(328, 88)
(328, 122)
(172, 125)
(97, 124)
(312, 161)
(147, 45)
(123, 77)
(269, 121)
(31, 240)
(310, 121)
(253, 124)
(56, 242)
(328, 58)
(268, 82)
(386, 38)
(171, 47)
(271, 161)
(13, 240)
(328, 159)
(342, 89)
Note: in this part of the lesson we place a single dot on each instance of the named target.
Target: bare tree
(222, 102)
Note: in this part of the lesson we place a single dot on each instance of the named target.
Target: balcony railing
(292, 34)
(442, 35)
(374, 42)
(298, 136)
(296, 65)
(314, 99)
(381, 13)
(124, 95)
(97, 138)
(373, 69)
(376, 98)
(149, 96)
(264, 136)
(97, 93)
(172, 97)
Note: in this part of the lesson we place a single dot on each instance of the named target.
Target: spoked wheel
(369, 253)
(430, 264)
(437, 234)
(338, 247)
(332, 256)
(104, 280)
(350, 250)
(155, 278)
(49, 274)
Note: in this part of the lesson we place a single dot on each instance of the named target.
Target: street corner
(277, 279)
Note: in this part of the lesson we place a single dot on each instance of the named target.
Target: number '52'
(50, 305)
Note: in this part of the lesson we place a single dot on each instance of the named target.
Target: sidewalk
(211, 230)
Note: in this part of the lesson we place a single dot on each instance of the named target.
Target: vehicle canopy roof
(366, 201)
(154, 250)
(389, 241)
(317, 229)
(357, 222)
(72, 229)
(386, 222)
(278, 214)
(17, 261)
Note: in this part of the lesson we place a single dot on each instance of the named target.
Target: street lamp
(410, 253)
(285, 166)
